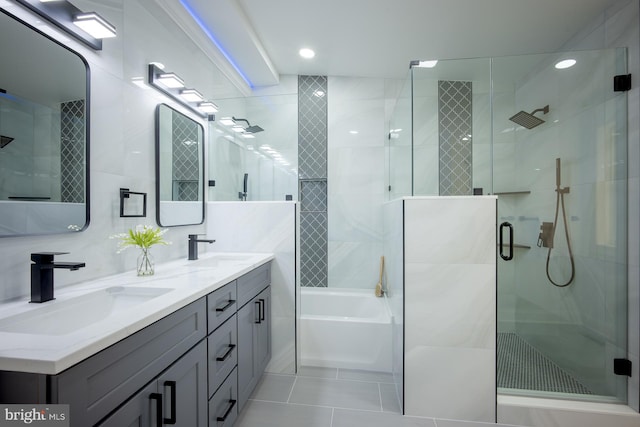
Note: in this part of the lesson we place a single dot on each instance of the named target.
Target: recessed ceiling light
(565, 63)
(306, 53)
(353, 132)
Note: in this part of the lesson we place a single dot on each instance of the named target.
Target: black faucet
(193, 246)
(42, 274)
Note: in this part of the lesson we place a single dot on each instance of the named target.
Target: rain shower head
(5, 140)
(249, 128)
(528, 120)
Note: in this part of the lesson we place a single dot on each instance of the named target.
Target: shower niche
(551, 144)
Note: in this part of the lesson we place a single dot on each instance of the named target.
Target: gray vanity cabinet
(178, 396)
(254, 343)
(197, 366)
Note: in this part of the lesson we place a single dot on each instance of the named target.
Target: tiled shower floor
(520, 366)
(326, 397)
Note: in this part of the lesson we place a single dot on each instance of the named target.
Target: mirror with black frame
(44, 133)
(179, 168)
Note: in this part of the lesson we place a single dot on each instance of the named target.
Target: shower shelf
(519, 246)
(511, 193)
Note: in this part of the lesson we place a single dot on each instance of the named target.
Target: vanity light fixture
(170, 80)
(191, 95)
(208, 107)
(227, 121)
(89, 28)
(95, 25)
(174, 87)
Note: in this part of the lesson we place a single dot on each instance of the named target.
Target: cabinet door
(247, 328)
(140, 411)
(263, 333)
(184, 389)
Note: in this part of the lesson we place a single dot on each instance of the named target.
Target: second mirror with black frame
(179, 168)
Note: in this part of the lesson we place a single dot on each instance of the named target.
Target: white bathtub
(345, 328)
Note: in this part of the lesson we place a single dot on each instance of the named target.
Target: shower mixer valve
(545, 238)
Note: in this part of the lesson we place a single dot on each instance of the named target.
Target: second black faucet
(193, 245)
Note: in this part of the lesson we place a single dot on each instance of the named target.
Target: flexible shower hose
(560, 200)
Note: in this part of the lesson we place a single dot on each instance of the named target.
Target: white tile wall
(265, 227)
(450, 305)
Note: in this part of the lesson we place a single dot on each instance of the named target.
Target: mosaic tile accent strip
(522, 367)
(455, 135)
(312, 175)
(313, 196)
(185, 135)
(314, 264)
(312, 127)
(72, 152)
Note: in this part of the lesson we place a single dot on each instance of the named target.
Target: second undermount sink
(219, 260)
(61, 317)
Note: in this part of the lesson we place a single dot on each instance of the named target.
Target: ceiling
(378, 38)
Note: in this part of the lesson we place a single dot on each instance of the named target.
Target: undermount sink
(66, 316)
(220, 260)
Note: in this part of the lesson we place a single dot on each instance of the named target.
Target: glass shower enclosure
(547, 135)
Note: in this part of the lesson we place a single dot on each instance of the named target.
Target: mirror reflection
(179, 168)
(43, 134)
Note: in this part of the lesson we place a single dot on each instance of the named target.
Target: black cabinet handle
(172, 387)
(226, 306)
(502, 255)
(261, 309)
(223, 418)
(258, 319)
(226, 355)
(158, 398)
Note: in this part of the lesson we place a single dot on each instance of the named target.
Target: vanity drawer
(223, 353)
(252, 283)
(221, 304)
(223, 406)
(95, 387)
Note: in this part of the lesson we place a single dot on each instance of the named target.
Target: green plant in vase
(143, 237)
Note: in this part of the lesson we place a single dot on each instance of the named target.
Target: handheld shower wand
(242, 195)
(546, 229)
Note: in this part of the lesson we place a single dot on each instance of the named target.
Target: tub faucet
(42, 274)
(193, 246)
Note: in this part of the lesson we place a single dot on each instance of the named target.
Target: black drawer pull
(223, 418)
(261, 309)
(226, 355)
(227, 305)
(172, 418)
(158, 398)
(258, 320)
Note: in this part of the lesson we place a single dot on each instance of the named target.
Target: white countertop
(52, 354)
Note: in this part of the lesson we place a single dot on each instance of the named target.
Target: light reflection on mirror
(179, 168)
(44, 166)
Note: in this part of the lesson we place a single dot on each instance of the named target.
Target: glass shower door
(560, 173)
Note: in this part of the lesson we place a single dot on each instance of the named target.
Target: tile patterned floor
(329, 397)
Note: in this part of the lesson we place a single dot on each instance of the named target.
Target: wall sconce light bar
(62, 14)
(170, 80)
(95, 25)
(172, 85)
(208, 107)
(191, 95)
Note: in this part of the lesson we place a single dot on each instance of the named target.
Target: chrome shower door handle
(510, 227)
